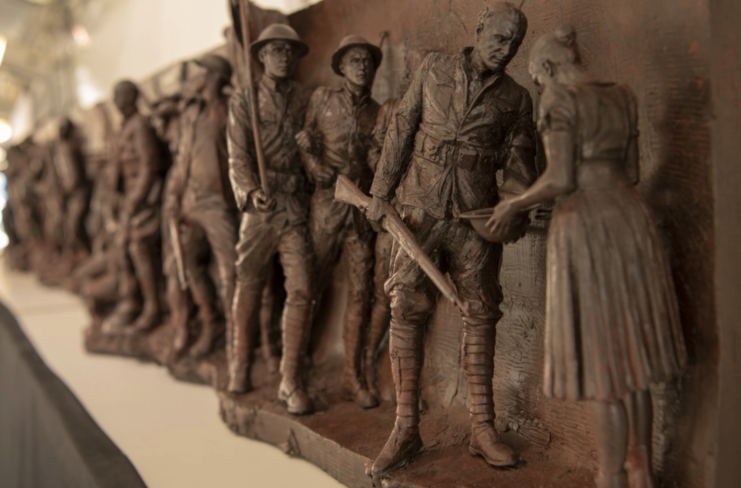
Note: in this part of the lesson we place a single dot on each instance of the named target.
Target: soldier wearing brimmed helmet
(200, 199)
(339, 132)
(275, 223)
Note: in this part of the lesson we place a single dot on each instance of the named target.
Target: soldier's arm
(146, 147)
(379, 133)
(241, 145)
(175, 184)
(399, 141)
(519, 170)
(311, 159)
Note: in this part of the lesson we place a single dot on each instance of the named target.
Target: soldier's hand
(502, 218)
(305, 142)
(323, 175)
(262, 202)
(172, 210)
(376, 211)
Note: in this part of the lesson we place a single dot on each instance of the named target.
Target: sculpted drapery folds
(462, 120)
(273, 222)
(612, 320)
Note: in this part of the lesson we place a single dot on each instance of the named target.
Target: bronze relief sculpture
(337, 137)
(200, 210)
(451, 170)
(462, 119)
(380, 314)
(75, 192)
(275, 213)
(612, 320)
(139, 174)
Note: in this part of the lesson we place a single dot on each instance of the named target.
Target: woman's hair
(559, 47)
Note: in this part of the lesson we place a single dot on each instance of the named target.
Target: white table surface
(171, 431)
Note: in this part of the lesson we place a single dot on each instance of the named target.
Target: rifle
(177, 251)
(347, 192)
(244, 6)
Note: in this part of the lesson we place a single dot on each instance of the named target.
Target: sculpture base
(153, 346)
(340, 438)
(156, 346)
(343, 440)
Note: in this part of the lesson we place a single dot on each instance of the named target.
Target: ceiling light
(81, 36)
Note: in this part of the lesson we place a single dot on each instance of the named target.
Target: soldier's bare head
(555, 56)
(279, 58)
(499, 34)
(125, 96)
(358, 67)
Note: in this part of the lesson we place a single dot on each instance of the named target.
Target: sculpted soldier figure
(75, 191)
(166, 119)
(339, 124)
(49, 194)
(199, 205)
(22, 203)
(612, 321)
(462, 120)
(380, 311)
(275, 223)
(137, 159)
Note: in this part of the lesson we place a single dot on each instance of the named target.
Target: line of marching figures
(231, 191)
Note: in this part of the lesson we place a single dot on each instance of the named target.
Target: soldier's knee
(298, 294)
(380, 296)
(227, 273)
(137, 247)
(481, 315)
(409, 307)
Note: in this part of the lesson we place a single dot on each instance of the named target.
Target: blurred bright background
(56, 55)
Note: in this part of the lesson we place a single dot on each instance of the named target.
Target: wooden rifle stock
(347, 192)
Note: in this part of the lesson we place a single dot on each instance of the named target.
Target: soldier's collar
(470, 68)
(282, 86)
(356, 99)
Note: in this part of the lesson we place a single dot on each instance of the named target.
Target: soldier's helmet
(350, 42)
(217, 64)
(279, 32)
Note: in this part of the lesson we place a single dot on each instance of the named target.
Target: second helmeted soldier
(338, 135)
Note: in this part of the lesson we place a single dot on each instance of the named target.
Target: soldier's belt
(287, 182)
(456, 153)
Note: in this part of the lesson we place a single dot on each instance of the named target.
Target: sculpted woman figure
(612, 321)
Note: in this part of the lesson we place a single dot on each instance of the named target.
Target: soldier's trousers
(209, 229)
(76, 208)
(473, 265)
(259, 242)
(333, 237)
(381, 312)
(144, 254)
